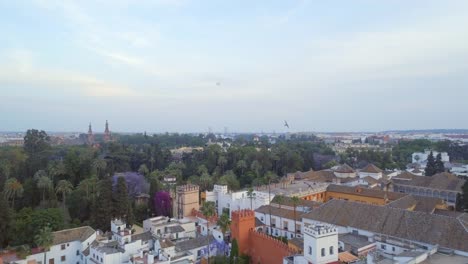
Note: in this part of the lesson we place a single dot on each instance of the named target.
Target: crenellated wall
(265, 249)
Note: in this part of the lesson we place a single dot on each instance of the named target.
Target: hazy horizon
(181, 65)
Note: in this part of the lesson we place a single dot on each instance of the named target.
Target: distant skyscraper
(107, 134)
(90, 139)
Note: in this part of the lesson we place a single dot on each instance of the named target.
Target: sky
(191, 65)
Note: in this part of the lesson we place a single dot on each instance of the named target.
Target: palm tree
(64, 187)
(44, 183)
(89, 186)
(99, 165)
(256, 166)
(251, 195)
(279, 199)
(241, 165)
(224, 223)
(13, 190)
(295, 200)
(222, 161)
(208, 210)
(44, 239)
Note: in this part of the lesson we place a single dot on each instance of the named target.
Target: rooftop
(354, 241)
(194, 243)
(417, 203)
(345, 168)
(447, 232)
(371, 168)
(73, 234)
(281, 212)
(440, 181)
(375, 193)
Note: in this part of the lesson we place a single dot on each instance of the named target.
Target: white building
(68, 247)
(232, 201)
(421, 157)
(165, 227)
(372, 171)
(320, 246)
(397, 234)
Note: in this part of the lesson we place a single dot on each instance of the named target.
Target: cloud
(18, 68)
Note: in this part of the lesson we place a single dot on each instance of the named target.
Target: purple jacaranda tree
(162, 203)
(136, 183)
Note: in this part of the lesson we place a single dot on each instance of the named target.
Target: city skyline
(184, 66)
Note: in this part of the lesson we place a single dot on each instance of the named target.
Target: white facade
(161, 226)
(69, 252)
(280, 226)
(377, 175)
(236, 200)
(321, 244)
(421, 157)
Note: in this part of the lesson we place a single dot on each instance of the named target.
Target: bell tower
(90, 139)
(107, 134)
(321, 243)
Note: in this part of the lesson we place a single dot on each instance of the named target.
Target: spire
(90, 139)
(107, 135)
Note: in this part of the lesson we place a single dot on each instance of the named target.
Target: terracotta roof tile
(371, 168)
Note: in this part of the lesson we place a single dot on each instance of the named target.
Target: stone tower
(242, 222)
(107, 134)
(90, 139)
(321, 243)
(187, 199)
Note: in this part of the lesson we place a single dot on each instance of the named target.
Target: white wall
(373, 175)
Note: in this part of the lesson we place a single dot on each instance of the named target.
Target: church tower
(107, 135)
(90, 139)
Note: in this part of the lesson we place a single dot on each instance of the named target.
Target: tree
(234, 251)
(241, 165)
(439, 164)
(251, 195)
(430, 166)
(44, 183)
(13, 190)
(295, 200)
(44, 240)
(230, 179)
(122, 205)
(36, 144)
(102, 209)
(224, 223)
(143, 170)
(462, 201)
(5, 218)
(208, 210)
(222, 161)
(64, 187)
(162, 203)
(99, 165)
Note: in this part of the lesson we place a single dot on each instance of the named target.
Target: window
(331, 250)
(298, 228)
(393, 249)
(323, 252)
(261, 218)
(77, 252)
(62, 258)
(382, 246)
(310, 250)
(273, 222)
(285, 225)
(62, 247)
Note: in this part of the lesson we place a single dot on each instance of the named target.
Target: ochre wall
(265, 249)
(241, 222)
(354, 197)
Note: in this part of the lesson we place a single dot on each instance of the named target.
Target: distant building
(107, 133)
(372, 171)
(421, 157)
(444, 185)
(90, 137)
